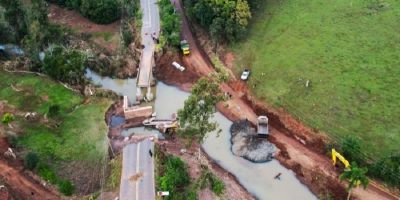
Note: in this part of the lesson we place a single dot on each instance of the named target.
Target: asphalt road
(151, 24)
(137, 179)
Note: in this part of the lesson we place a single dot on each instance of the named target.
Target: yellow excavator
(345, 162)
(335, 155)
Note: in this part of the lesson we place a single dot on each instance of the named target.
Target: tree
(39, 35)
(217, 29)
(174, 177)
(33, 44)
(7, 33)
(126, 33)
(170, 23)
(101, 11)
(225, 20)
(204, 13)
(75, 4)
(195, 116)
(242, 13)
(16, 17)
(39, 12)
(355, 176)
(31, 161)
(65, 65)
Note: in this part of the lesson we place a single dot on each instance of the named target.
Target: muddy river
(257, 178)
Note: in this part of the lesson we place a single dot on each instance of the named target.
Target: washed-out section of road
(137, 179)
(258, 178)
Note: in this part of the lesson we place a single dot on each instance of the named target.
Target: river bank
(169, 100)
(233, 189)
(302, 149)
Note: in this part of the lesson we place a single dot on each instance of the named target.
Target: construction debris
(247, 144)
(10, 153)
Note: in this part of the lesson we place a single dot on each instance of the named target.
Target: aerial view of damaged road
(199, 100)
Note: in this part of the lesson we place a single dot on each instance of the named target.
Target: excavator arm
(335, 155)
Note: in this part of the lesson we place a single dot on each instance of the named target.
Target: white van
(178, 66)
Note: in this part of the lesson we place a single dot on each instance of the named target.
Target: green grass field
(81, 135)
(78, 141)
(31, 93)
(350, 52)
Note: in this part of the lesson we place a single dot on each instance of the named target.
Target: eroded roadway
(137, 178)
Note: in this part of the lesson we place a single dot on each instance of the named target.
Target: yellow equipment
(185, 47)
(335, 155)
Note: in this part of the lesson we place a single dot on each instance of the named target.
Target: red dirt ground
(301, 149)
(76, 21)
(21, 185)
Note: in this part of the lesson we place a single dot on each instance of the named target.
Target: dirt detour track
(19, 184)
(301, 149)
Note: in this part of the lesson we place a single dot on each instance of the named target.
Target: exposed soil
(20, 184)
(76, 21)
(302, 149)
(114, 134)
(228, 60)
(172, 76)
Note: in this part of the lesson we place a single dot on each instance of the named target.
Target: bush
(7, 118)
(7, 34)
(101, 11)
(65, 65)
(351, 148)
(173, 177)
(66, 187)
(46, 173)
(59, 2)
(216, 16)
(54, 110)
(207, 178)
(217, 186)
(387, 169)
(170, 23)
(127, 34)
(31, 161)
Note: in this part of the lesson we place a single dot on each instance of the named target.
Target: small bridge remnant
(163, 125)
(132, 112)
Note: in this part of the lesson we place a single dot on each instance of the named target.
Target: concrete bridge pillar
(149, 94)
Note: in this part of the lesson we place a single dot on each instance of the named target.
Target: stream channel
(257, 178)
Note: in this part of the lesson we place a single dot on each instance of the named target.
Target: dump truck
(262, 126)
(185, 47)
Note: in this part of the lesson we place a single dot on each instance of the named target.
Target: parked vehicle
(262, 126)
(178, 66)
(245, 74)
(185, 47)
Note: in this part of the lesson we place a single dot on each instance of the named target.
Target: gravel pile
(247, 144)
